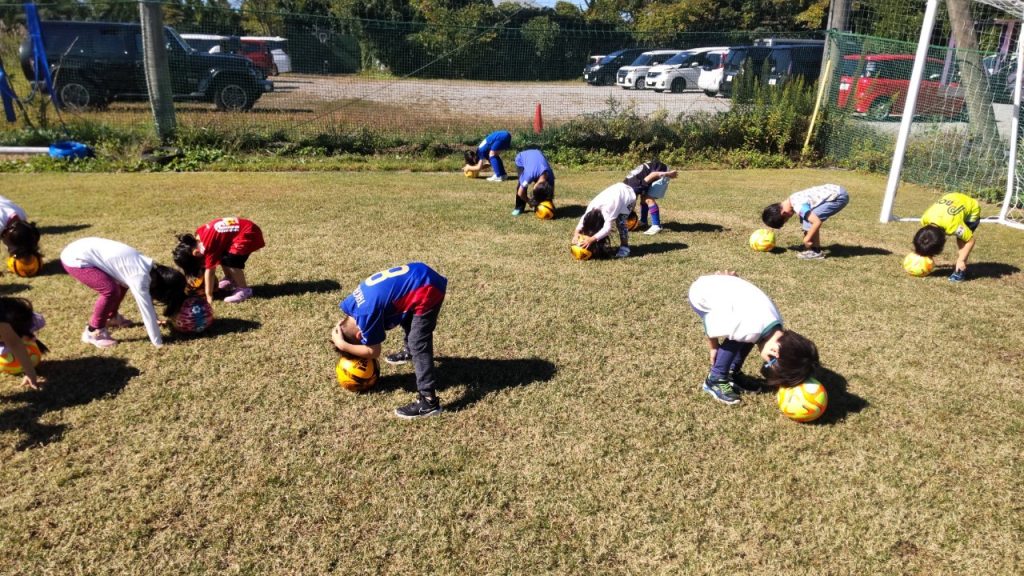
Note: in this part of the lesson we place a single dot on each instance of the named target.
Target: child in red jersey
(225, 241)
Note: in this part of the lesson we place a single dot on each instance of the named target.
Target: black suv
(790, 59)
(94, 63)
(603, 72)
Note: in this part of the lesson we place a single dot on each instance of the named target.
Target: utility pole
(158, 73)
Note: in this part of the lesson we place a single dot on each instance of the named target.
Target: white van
(682, 70)
(710, 79)
(633, 76)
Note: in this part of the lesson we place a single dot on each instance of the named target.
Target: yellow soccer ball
(803, 402)
(763, 239)
(10, 365)
(545, 210)
(917, 265)
(471, 173)
(25, 266)
(580, 253)
(357, 374)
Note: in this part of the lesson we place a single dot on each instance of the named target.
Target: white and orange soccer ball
(804, 402)
(763, 239)
(357, 374)
(917, 265)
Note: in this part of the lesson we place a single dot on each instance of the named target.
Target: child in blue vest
(409, 296)
(487, 151)
(533, 169)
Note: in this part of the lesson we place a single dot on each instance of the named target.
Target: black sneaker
(421, 408)
(744, 384)
(721, 390)
(401, 357)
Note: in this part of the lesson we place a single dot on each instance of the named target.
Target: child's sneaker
(240, 295)
(226, 285)
(421, 408)
(811, 255)
(721, 390)
(496, 178)
(653, 230)
(516, 212)
(119, 321)
(401, 357)
(958, 276)
(98, 338)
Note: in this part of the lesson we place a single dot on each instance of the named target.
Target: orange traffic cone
(538, 120)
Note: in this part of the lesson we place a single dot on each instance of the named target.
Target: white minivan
(710, 79)
(682, 70)
(632, 76)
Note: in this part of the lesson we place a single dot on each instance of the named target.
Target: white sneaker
(653, 230)
(100, 338)
(496, 178)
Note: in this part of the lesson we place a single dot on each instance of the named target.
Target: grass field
(575, 438)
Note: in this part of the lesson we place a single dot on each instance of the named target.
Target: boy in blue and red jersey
(409, 296)
(487, 151)
(533, 169)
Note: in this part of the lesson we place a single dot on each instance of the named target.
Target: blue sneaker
(517, 212)
(721, 390)
(958, 276)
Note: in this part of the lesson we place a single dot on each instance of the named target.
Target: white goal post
(1012, 197)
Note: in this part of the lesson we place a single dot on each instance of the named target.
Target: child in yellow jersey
(954, 214)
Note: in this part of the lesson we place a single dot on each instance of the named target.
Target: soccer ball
(632, 222)
(545, 210)
(25, 266)
(917, 265)
(580, 253)
(803, 402)
(357, 374)
(194, 316)
(762, 240)
(471, 173)
(10, 365)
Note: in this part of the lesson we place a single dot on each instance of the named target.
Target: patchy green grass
(576, 439)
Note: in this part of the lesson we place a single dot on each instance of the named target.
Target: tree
(982, 123)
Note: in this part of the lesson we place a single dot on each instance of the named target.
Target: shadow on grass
(478, 376)
(841, 402)
(8, 289)
(220, 327)
(980, 270)
(296, 288)
(569, 211)
(659, 248)
(692, 227)
(57, 230)
(51, 268)
(849, 251)
(69, 383)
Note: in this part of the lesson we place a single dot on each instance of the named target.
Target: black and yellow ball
(580, 253)
(25, 266)
(357, 374)
(545, 210)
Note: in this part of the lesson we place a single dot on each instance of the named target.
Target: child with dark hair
(737, 315)
(613, 205)
(954, 214)
(533, 169)
(224, 241)
(18, 320)
(19, 235)
(487, 153)
(650, 190)
(409, 296)
(813, 206)
(112, 269)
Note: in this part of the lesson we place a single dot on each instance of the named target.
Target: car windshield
(867, 69)
(611, 57)
(171, 33)
(736, 57)
(680, 58)
(642, 60)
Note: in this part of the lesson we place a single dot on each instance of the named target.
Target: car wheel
(678, 85)
(233, 96)
(78, 95)
(711, 93)
(880, 109)
(639, 84)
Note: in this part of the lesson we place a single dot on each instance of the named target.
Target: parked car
(278, 49)
(206, 42)
(883, 80)
(259, 53)
(603, 72)
(680, 71)
(633, 76)
(758, 53)
(93, 63)
(710, 79)
(734, 64)
(1002, 73)
(787, 62)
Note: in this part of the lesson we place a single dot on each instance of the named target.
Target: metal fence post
(158, 73)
